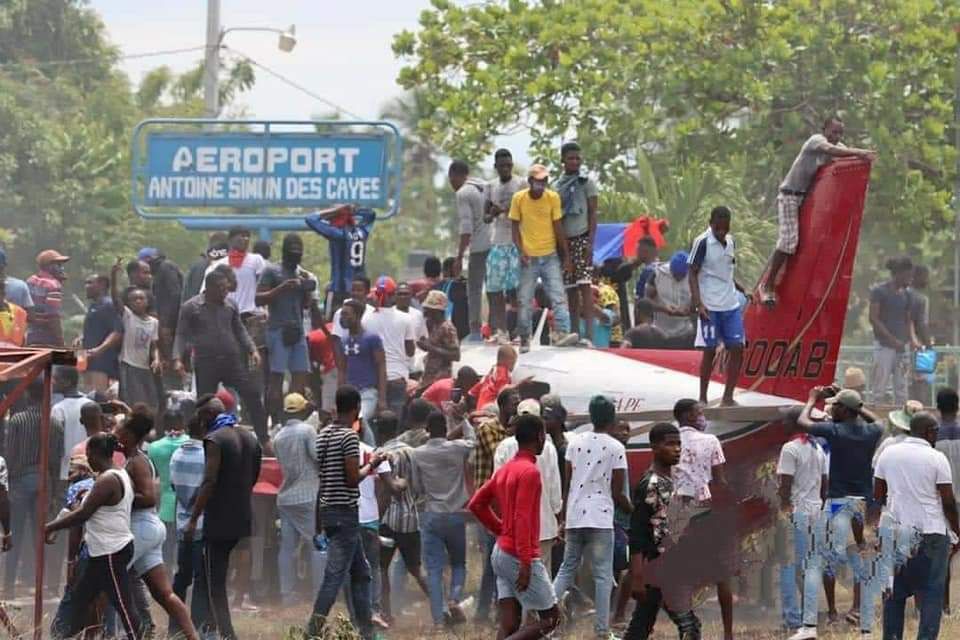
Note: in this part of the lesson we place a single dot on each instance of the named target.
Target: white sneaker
(560, 339)
(804, 633)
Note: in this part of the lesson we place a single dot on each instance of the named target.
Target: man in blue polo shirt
(713, 293)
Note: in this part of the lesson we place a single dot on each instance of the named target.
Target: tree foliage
(730, 86)
(66, 113)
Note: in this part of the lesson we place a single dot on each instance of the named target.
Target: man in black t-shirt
(649, 536)
(232, 459)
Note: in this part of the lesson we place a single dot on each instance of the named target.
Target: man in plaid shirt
(186, 476)
(819, 149)
(490, 434)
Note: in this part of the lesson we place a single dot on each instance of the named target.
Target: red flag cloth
(640, 228)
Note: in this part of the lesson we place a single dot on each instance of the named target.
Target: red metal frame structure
(26, 365)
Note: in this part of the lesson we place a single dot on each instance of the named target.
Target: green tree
(733, 84)
(66, 113)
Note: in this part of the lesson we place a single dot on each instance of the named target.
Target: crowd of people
(206, 406)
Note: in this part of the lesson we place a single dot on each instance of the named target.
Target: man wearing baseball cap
(536, 213)
(398, 334)
(17, 291)
(46, 289)
(852, 445)
(295, 447)
(442, 345)
(669, 293)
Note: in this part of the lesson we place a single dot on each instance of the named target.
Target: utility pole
(211, 65)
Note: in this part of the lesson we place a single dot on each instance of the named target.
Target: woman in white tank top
(105, 516)
(147, 528)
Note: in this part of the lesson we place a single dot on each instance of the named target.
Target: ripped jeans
(841, 549)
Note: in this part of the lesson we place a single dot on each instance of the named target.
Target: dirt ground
(751, 622)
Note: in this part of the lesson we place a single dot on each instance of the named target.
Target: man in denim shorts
(503, 261)
(522, 578)
(578, 194)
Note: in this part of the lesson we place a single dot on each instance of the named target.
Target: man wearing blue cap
(669, 293)
(17, 290)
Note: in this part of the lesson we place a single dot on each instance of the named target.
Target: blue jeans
(923, 576)
(807, 531)
(840, 549)
(444, 536)
(549, 270)
(597, 545)
(488, 582)
(344, 555)
(297, 522)
(24, 492)
(189, 568)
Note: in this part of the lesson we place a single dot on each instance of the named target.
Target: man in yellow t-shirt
(13, 320)
(536, 213)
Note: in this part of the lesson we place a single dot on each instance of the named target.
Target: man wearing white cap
(551, 497)
(536, 213)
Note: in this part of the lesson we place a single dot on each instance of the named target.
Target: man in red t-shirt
(522, 578)
(323, 367)
(442, 390)
(499, 377)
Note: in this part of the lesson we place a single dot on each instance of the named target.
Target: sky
(342, 52)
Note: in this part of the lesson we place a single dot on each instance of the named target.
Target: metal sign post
(207, 173)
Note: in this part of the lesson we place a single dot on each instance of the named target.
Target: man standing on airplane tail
(819, 149)
(713, 293)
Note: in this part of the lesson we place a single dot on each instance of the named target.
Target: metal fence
(923, 388)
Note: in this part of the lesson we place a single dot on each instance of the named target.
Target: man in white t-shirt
(802, 470)
(551, 496)
(915, 481)
(597, 468)
(246, 266)
(369, 517)
(359, 291)
(700, 467)
(397, 333)
(404, 299)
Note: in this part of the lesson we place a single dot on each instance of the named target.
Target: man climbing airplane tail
(794, 345)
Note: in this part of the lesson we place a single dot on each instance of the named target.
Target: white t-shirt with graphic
(699, 454)
(593, 458)
(138, 333)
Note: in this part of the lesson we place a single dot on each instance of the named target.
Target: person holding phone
(852, 444)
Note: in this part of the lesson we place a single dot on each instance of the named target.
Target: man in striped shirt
(22, 452)
(400, 522)
(186, 475)
(338, 454)
(295, 448)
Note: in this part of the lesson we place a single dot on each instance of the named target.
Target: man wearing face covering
(286, 289)
(669, 293)
(46, 288)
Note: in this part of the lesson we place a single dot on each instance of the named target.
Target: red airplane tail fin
(794, 345)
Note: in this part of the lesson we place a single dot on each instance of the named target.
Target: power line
(128, 56)
(293, 83)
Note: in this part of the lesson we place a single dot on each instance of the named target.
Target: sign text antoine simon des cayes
(256, 170)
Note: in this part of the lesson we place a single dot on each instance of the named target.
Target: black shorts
(407, 543)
